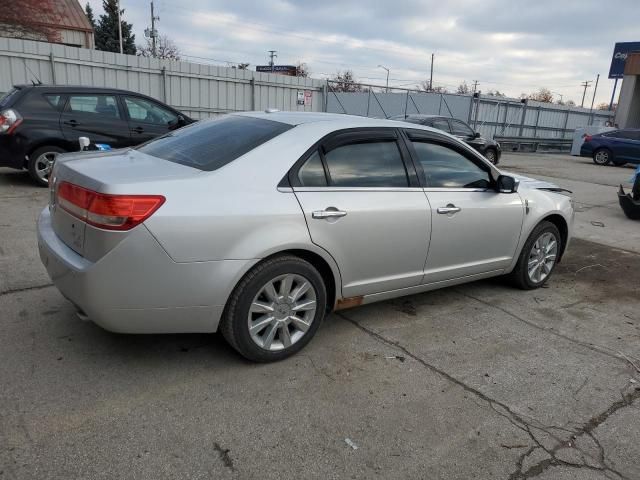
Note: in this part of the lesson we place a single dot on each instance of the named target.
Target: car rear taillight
(587, 138)
(9, 120)
(111, 212)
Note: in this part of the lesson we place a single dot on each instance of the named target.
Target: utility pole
(475, 85)
(154, 32)
(584, 84)
(272, 55)
(431, 76)
(593, 99)
(119, 25)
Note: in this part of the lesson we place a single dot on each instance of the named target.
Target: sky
(514, 46)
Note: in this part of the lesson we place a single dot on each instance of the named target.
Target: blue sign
(620, 53)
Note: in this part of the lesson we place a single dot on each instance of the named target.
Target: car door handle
(137, 130)
(449, 209)
(73, 123)
(320, 214)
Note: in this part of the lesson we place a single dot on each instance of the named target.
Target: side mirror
(476, 134)
(181, 121)
(507, 184)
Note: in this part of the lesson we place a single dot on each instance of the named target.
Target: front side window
(211, 144)
(103, 105)
(143, 110)
(446, 168)
(460, 128)
(370, 164)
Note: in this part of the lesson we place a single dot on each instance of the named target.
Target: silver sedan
(259, 224)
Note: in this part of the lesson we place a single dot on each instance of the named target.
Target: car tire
(38, 164)
(259, 322)
(492, 155)
(602, 156)
(538, 257)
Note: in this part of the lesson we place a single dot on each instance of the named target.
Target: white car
(258, 224)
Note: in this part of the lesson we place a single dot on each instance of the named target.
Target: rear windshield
(6, 98)
(210, 144)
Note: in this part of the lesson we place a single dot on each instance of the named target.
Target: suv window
(460, 128)
(444, 167)
(211, 144)
(371, 164)
(54, 100)
(6, 98)
(103, 105)
(441, 124)
(311, 174)
(143, 110)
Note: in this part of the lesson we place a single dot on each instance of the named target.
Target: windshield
(210, 144)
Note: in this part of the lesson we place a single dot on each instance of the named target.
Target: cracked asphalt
(476, 381)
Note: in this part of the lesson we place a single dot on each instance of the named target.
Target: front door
(96, 116)
(148, 119)
(362, 204)
(474, 228)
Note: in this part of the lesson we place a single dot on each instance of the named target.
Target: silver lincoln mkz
(258, 224)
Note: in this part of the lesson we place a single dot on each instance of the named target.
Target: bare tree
(496, 93)
(542, 95)
(165, 48)
(241, 66)
(427, 87)
(605, 106)
(31, 19)
(463, 88)
(345, 82)
(302, 70)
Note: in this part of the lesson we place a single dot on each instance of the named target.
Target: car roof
(344, 121)
(75, 88)
(419, 115)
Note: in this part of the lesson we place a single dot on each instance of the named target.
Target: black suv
(39, 121)
(489, 148)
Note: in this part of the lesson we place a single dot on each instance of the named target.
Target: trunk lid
(114, 172)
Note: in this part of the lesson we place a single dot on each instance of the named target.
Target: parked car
(487, 147)
(37, 122)
(257, 224)
(616, 146)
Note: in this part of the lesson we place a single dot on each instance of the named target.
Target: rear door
(97, 116)
(362, 203)
(148, 119)
(474, 228)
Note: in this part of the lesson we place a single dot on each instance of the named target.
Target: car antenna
(35, 76)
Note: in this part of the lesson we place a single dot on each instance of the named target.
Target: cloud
(513, 45)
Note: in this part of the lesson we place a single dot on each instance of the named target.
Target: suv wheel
(275, 309)
(41, 162)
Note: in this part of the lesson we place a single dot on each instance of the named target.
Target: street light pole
(387, 88)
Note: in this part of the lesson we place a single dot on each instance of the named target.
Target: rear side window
(211, 144)
(8, 97)
(311, 173)
(104, 105)
(627, 134)
(371, 164)
(441, 124)
(56, 101)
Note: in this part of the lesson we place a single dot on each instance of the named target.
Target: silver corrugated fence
(198, 90)
(491, 116)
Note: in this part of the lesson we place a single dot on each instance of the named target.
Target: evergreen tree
(106, 31)
(89, 12)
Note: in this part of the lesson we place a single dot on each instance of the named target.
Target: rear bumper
(136, 287)
(12, 151)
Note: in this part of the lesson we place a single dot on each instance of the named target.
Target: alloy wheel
(44, 164)
(542, 257)
(601, 157)
(282, 312)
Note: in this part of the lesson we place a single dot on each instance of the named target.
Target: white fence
(198, 90)
(492, 116)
